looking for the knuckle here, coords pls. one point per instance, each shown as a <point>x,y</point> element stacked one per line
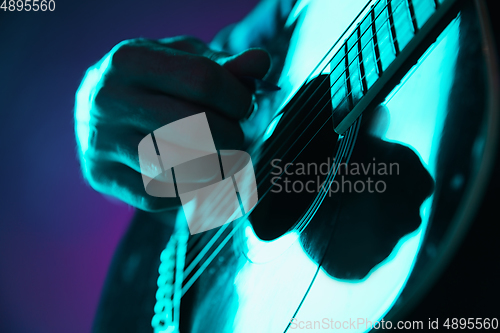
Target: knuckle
<point>126,152</point>
<point>110,143</point>
<point>188,39</point>
<point>205,78</point>
<point>103,97</point>
<point>96,178</point>
<point>125,52</point>
<point>184,43</point>
<point>96,144</point>
<point>110,101</point>
<point>122,54</point>
<point>95,154</point>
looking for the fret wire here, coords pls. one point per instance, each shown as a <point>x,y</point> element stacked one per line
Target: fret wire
<point>373,29</point>
<point>198,258</point>
<point>338,78</point>
<point>364,85</point>
<point>346,97</point>
<point>190,282</point>
<point>348,78</point>
<point>393,27</point>
<point>331,49</point>
<point>349,96</point>
<point>343,100</point>
<point>324,67</point>
<point>374,33</point>
<point>222,244</point>
<point>327,64</point>
<point>225,240</point>
<point>412,15</point>
<point>375,44</point>
<point>318,114</point>
<point>340,62</point>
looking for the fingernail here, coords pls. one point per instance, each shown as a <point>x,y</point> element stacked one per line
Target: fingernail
<point>257,85</point>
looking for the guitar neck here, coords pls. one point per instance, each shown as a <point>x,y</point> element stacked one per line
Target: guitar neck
<point>384,45</point>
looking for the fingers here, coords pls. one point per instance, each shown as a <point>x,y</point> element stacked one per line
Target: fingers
<point>124,183</point>
<point>118,142</point>
<point>254,63</point>
<point>143,85</point>
<point>191,45</point>
<point>183,75</point>
<point>114,143</point>
<point>145,112</point>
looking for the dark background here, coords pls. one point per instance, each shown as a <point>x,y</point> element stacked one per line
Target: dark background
<point>57,235</point>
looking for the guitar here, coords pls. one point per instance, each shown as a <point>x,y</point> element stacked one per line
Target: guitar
<point>369,161</point>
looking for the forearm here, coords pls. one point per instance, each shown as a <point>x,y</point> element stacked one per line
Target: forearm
<point>128,296</point>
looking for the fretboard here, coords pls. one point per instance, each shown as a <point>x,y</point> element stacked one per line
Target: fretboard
<point>383,46</point>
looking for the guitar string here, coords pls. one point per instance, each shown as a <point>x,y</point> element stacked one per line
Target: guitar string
<point>215,237</point>
<point>342,146</point>
<point>219,248</point>
<point>342,60</point>
<point>239,224</point>
<point>322,109</point>
<point>320,263</point>
<point>347,96</point>
<point>213,240</point>
<point>341,87</point>
<point>346,144</point>
<point>327,103</point>
<point>221,230</point>
<point>229,236</point>
<point>355,125</point>
<point>344,99</point>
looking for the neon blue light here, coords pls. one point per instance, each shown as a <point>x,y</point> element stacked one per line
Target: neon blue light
<point>263,251</point>
<point>417,125</point>
<point>84,100</point>
<point>272,126</point>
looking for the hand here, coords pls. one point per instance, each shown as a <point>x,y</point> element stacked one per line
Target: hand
<point>142,85</point>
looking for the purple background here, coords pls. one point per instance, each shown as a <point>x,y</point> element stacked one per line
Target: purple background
<point>57,235</point>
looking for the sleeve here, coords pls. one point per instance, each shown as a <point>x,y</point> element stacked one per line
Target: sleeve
<point>261,26</point>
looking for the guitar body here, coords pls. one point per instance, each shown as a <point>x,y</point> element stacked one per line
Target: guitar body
<point>350,226</point>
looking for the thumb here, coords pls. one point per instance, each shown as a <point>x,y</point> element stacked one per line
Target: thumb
<point>252,62</point>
